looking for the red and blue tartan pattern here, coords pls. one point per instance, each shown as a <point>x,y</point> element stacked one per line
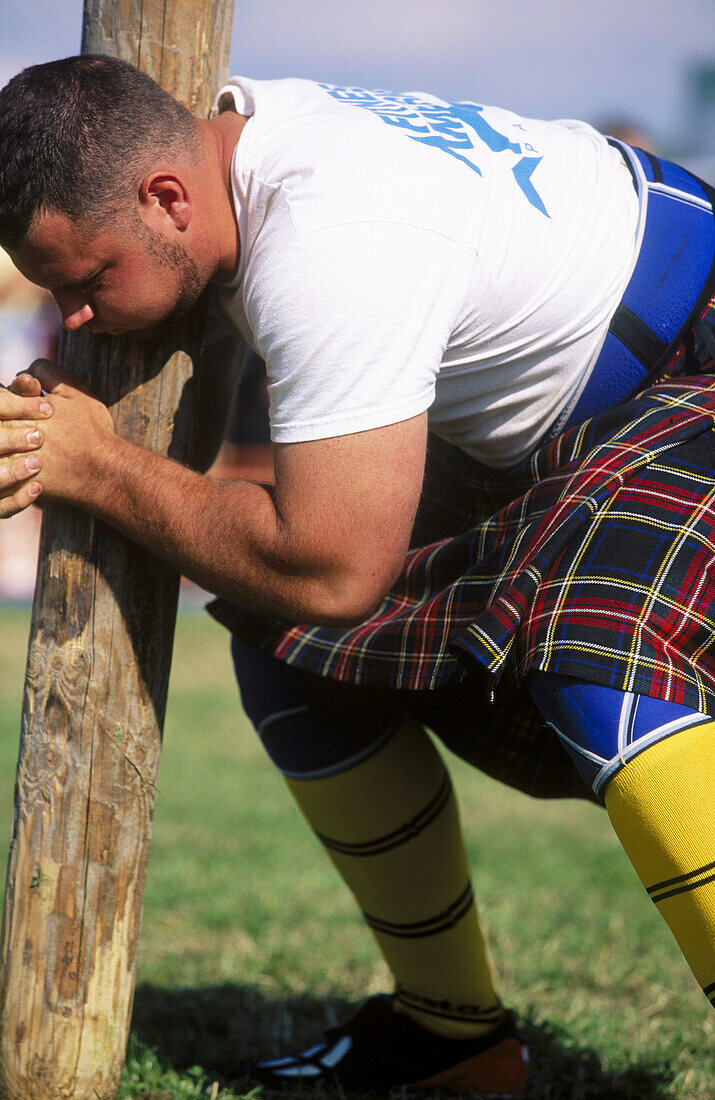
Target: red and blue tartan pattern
<point>593,558</point>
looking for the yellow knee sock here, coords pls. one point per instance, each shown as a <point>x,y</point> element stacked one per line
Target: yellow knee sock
<point>662,807</point>
<point>391,827</point>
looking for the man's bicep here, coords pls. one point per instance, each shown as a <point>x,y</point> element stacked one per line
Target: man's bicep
<point>349,503</point>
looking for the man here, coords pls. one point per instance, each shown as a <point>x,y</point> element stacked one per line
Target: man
<point>402,263</point>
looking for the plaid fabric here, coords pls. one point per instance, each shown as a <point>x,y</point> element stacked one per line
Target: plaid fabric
<point>593,558</point>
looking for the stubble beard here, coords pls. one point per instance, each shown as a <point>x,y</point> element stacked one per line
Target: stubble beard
<point>174,257</point>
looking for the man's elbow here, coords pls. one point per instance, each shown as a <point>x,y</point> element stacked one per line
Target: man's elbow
<point>344,617</point>
<point>350,601</point>
<point>339,611</point>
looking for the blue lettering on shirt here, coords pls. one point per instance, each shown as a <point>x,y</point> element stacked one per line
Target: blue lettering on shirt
<point>451,127</point>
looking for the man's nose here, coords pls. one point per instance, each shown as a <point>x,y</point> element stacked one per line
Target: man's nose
<point>73,317</point>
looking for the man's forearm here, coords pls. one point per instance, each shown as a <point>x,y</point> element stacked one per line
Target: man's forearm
<point>226,536</point>
<point>322,547</point>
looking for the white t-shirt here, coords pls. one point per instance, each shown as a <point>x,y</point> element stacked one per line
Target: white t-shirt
<point>399,253</point>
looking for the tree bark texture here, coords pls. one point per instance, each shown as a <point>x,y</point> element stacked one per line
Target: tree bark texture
<point>97,672</point>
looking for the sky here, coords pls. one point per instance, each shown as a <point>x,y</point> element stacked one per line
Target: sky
<point>592,59</point>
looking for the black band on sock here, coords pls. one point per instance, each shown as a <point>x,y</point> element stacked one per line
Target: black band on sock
<point>447,1010</point>
<point>441,922</point>
<point>682,883</point>
<point>396,837</point>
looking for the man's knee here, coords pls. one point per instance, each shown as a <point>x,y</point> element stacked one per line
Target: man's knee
<point>309,726</point>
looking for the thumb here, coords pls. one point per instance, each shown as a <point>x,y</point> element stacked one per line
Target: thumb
<point>54,380</point>
<point>24,385</point>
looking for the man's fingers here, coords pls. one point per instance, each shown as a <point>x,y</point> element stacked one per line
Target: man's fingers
<point>47,374</point>
<point>17,437</point>
<point>26,386</point>
<point>53,380</point>
<point>18,485</point>
<point>15,407</point>
<point>18,468</point>
<point>21,498</point>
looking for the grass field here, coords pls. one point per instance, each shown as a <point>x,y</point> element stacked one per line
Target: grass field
<point>250,943</point>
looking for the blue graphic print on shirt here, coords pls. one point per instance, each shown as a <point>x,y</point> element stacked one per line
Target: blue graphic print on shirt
<point>448,126</point>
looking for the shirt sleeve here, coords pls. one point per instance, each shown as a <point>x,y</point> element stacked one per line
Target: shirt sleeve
<point>352,321</point>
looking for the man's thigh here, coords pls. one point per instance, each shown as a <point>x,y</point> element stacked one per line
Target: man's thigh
<point>601,728</point>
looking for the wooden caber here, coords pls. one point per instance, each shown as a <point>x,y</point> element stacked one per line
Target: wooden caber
<point>97,670</point>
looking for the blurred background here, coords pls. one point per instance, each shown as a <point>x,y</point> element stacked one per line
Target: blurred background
<point>645,70</point>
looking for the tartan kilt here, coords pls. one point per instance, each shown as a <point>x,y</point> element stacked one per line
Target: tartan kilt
<point>593,558</point>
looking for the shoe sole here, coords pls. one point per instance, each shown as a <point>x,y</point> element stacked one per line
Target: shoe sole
<point>500,1072</point>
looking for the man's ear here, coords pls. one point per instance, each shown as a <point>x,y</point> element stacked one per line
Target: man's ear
<point>163,195</point>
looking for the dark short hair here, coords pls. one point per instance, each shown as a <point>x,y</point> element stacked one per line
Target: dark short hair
<point>78,135</point>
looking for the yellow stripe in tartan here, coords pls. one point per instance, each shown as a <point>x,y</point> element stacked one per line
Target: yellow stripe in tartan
<point>608,583</point>
<point>661,576</point>
<point>644,663</point>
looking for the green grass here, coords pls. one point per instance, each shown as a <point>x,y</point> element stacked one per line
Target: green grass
<point>250,944</point>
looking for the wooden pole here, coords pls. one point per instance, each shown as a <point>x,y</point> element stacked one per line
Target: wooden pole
<point>97,672</point>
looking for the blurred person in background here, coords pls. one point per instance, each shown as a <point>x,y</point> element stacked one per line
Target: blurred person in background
<point>246,447</point>
<point>624,129</point>
<point>29,322</point>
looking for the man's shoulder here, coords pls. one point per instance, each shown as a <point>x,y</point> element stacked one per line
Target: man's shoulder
<point>328,163</point>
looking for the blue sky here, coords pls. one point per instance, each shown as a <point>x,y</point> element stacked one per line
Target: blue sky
<point>549,58</point>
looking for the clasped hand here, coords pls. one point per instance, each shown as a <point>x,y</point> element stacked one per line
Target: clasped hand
<point>49,443</point>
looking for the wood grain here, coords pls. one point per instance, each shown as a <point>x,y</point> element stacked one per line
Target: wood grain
<point>97,671</point>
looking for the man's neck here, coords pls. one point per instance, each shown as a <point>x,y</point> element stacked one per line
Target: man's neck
<point>227,129</point>
<point>223,132</point>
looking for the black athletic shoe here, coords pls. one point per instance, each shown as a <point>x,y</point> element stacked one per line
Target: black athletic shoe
<point>382,1050</point>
